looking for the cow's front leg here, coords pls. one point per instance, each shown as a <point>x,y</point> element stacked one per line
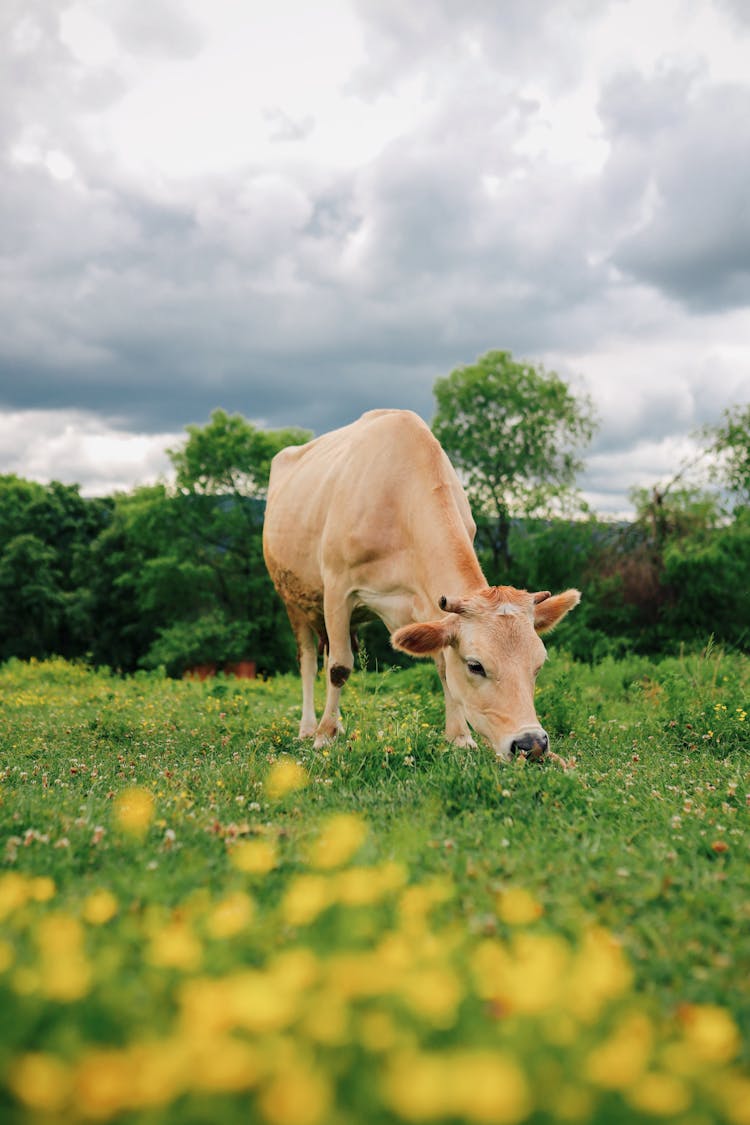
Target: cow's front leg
<point>337,612</point>
<point>456,728</point>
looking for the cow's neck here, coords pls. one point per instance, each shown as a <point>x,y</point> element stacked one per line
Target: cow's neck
<point>452,570</point>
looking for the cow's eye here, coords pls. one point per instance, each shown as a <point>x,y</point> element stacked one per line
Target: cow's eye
<point>475,668</point>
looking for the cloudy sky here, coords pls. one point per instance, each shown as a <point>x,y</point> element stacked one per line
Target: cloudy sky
<point>302,210</point>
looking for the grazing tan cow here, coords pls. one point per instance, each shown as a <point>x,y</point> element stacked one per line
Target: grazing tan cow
<point>371,520</point>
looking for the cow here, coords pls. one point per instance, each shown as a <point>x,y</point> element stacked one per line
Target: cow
<point>371,520</point>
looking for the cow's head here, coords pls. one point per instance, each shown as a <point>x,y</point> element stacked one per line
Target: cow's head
<point>493,653</point>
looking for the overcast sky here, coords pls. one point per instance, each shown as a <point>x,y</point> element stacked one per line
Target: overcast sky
<point>300,210</point>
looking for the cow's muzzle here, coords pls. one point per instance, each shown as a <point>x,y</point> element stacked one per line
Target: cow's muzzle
<point>532,745</point>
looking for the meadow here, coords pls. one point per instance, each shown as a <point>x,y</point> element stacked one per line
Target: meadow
<point>204,921</point>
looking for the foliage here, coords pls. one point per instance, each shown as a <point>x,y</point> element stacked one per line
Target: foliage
<point>513,432</point>
<point>202,919</point>
<point>730,442</point>
<point>230,456</point>
<point>46,533</point>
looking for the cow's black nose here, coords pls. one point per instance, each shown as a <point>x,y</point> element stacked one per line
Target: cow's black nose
<point>532,745</point>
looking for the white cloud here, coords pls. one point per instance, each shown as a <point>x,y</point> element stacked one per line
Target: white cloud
<point>76,448</point>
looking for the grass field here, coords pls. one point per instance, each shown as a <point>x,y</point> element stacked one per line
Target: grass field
<point>204,921</point>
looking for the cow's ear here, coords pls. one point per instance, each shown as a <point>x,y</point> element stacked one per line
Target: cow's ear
<point>425,638</point>
<point>550,611</point>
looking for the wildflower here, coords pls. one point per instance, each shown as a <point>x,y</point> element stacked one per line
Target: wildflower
<point>40,1081</point>
<point>517,907</point>
<point>255,857</point>
<point>340,839</point>
<point>231,915</point>
<point>99,908</point>
<point>661,1095</point>
<point>102,1083</point>
<point>42,889</point>
<point>709,1032</point>
<point>298,1096</point>
<point>620,1060</point>
<point>285,776</point>
<point>175,946</point>
<point>134,810</point>
<point>305,898</point>
<point>14,892</point>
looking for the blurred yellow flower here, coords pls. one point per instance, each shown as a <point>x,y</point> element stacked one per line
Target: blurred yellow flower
<point>285,776</point>
<point>362,886</point>
<point>40,1081</point>
<point>517,907</point>
<point>599,972</point>
<point>306,896</point>
<point>255,1001</point>
<point>621,1059</point>
<point>434,993</point>
<point>341,837</point>
<point>230,916</point>
<point>223,1064</point>
<point>298,1096</point>
<point>102,1083</point>
<point>709,1032</point>
<point>661,1095</point>
<point>6,955</point>
<point>134,810</point>
<point>99,908</point>
<point>175,946</point>
<point>476,1085</point>
<point>42,888</point>
<point>14,892</point>
<point>255,857</point>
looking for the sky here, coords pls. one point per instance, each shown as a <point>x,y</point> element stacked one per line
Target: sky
<point>299,211</point>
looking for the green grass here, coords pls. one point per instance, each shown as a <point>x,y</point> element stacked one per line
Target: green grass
<point>645,836</point>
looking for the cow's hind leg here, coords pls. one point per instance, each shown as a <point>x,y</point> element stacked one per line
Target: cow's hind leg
<point>337,612</point>
<point>307,655</point>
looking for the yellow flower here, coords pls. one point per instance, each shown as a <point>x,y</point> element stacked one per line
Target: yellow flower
<point>433,992</point>
<point>223,1064</point>
<point>620,1060</point>
<point>298,1096</point>
<point>6,955</point>
<point>256,1001</point>
<point>517,907</point>
<point>285,776</point>
<point>255,857</point>
<point>710,1032</point>
<point>661,1095</point>
<point>14,892</point>
<point>362,886</point>
<point>599,973</point>
<point>341,837</point>
<point>230,916</point>
<point>134,810</point>
<point>42,889</point>
<point>488,1087</point>
<point>175,946</point>
<point>305,898</point>
<point>40,1081</point>
<point>99,908</point>
<point>475,1085</point>
<point>102,1083</point>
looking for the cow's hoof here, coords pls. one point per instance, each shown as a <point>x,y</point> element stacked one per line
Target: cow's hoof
<point>464,742</point>
<point>325,735</point>
<point>307,730</point>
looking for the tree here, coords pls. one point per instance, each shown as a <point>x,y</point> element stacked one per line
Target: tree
<point>731,447</point>
<point>513,431</point>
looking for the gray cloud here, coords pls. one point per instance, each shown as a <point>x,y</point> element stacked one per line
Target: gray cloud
<point>683,149</point>
<point>301,293</point>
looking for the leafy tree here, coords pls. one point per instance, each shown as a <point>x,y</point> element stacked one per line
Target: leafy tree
<point>730,444</point>
<point>513,431</point>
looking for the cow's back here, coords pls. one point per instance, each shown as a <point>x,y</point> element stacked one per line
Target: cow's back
<point>360,494</point>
